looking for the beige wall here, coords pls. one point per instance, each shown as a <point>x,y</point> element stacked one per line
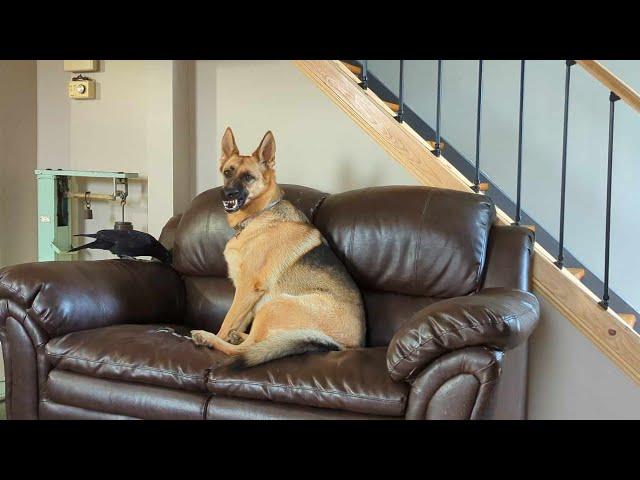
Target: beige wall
<point>183,134</point>
<point>18,238</point>
<point>571,379</point>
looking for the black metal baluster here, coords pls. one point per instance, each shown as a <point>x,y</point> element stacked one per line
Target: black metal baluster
<point>519,179</point>
<point>476,181</point>
<point>613,98</point>
<point>567,81</point>
<point>437,151</point>
<point>364,80</point>
<point>400,114</point>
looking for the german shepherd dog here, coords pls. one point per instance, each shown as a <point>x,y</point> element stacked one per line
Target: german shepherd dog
<point>291,289</point>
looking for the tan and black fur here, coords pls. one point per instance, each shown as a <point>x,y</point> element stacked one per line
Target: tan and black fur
<point>292,294</point>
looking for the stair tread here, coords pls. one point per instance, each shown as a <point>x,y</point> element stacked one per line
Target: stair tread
<point>577,272</point>
<point>354,68</point>
<point>432,144</point>
<point>393,106</point>
<point>628,318</point>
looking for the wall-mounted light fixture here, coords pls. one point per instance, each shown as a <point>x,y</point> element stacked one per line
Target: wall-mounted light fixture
<point>81,87</point>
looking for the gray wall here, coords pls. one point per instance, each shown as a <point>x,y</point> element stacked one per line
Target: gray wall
<point>542,147</point>
<point>18,236</point>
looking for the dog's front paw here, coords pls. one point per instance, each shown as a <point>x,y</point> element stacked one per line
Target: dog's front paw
<point>199,337</point>
<point>235,338</point>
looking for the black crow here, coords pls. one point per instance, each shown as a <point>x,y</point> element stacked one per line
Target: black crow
<point>126,243</point>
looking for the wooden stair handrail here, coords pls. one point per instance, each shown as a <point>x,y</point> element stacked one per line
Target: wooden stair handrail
<point>613,83</point>
<point>605,328</point>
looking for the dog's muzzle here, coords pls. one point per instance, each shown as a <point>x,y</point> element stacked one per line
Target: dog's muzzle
<point>233,199</point>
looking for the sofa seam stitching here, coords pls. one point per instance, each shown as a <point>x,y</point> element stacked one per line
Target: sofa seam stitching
<point>416,257</point>
<point>473,373</point>
<point>128,365</point>
<point>288,387</point>
<point>485,246</point>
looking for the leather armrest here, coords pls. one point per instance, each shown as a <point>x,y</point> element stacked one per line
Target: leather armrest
<point>62,297</point>
<point>497,318</point>
<point>460,385</point>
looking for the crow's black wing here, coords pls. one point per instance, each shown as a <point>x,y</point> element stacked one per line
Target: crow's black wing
<point>134,243</point>
<point>126,237</point>
<point>112,235</point>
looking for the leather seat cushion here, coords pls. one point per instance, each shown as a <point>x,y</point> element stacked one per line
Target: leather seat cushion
<point>146,354</point>
<point>352,380</point>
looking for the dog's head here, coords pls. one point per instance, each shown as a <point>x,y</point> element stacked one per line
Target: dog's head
<point>246,177</point>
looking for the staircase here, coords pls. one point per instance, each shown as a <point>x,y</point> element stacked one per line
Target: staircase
<point>347,85</point>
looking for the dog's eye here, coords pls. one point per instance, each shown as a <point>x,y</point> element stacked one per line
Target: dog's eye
<point>248,178</point>
<point>227,173</point>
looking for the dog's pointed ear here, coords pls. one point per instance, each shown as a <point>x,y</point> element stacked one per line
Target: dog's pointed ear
<point>229,146</point>
<point>266,151</point>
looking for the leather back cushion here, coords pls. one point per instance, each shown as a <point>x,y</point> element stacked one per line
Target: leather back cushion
<point>421,241</point>
<point>406,247</point>
<point>203,230</point>
<point>386,312</point>
<point>208,300</point>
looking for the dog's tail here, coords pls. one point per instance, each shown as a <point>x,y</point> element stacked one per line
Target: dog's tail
<point>284,344</point>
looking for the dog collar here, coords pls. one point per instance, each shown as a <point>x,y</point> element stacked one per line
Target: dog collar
<point>243,224</point>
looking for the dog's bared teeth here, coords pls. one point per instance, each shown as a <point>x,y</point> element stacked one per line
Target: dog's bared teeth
<point>230,204</point>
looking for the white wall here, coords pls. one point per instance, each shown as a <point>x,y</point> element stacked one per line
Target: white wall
<point>542,147</point>
<point>317,144</point>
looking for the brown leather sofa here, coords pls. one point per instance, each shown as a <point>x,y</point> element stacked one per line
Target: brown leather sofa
<point>447,302</point>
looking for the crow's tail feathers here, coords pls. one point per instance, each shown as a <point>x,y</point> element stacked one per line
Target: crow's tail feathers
<point>90,235</point>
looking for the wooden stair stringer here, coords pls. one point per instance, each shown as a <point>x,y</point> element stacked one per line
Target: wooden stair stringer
<point>606,330</point>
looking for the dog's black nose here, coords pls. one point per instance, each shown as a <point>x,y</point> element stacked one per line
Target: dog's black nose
<point>231,193</point>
